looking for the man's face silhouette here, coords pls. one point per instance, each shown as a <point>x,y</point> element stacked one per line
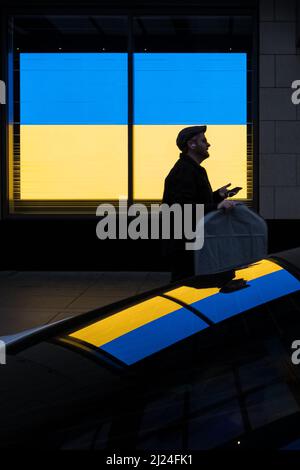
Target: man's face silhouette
<point>199,146</point>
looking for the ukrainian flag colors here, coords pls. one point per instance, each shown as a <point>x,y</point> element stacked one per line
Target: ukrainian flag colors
<point>141,330</point>
<point>74,116</point>
<point>125,321</point>
<point>260,291</point>
<point>176,90</point>
<point>73,162</point>
<point>152,325</point>
<point>191,295</point>
<point>155,153</point>
<point>73,126</point>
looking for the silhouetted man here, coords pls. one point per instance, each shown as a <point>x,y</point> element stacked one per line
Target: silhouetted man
<point>188,183</point>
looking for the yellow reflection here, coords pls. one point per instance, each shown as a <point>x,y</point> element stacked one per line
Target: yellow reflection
<point>190,294</point>
<point>73,162</point>
<point>155,152</point>
<point>110,328</point>
<point>125,321</point>
<point>257,270</point>
<point>11,164</point>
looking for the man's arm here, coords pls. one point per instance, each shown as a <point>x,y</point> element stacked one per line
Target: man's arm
<point>217,197</point>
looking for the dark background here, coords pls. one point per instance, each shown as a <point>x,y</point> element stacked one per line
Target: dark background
<point>73,245</point>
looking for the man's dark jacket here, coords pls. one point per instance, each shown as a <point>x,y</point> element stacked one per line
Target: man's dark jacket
<point>187,183</point>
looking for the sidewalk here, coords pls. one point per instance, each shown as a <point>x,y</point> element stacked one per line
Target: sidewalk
<point>29,299</point>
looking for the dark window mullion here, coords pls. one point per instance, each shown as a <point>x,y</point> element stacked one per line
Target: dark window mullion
<point>130,109</point>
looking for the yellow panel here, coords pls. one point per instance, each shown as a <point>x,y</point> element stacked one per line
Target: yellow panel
<point>191,294</point>
<point>73,162</point>
<point>227,162</point>
<point>125,321</point>
<point>155,152</point>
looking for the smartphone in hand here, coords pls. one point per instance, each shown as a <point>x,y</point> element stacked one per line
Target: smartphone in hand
<point>233,191</point>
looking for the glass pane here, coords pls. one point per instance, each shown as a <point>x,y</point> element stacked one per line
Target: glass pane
<point>177,84</point>
<point>70,133</point>
<point>73,125</point>
<point>168,98</point>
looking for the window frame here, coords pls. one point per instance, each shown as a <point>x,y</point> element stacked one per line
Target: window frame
<point>86,209</point>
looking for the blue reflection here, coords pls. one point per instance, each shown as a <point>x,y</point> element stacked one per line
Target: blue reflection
<point>155,336</point>
<point>218,307</point>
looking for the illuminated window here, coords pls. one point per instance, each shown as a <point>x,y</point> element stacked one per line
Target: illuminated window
<point>73,129</point>
<point>176,90</point>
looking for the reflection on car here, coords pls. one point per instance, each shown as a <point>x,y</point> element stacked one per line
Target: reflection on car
<point>186,367</point>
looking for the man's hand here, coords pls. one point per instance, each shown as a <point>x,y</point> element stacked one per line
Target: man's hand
<point>224,192</point>
<point>227,205</point>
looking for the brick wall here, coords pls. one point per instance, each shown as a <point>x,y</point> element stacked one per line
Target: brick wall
<point>279,149</point>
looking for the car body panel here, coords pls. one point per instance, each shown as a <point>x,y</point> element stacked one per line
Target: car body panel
<point>154,324</point>
<point>183,367</point>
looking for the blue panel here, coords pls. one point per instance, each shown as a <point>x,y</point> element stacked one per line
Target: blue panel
<point>73,88</point>
<point>190,88</point>
<point>154,336</point>
<point>220,306</point>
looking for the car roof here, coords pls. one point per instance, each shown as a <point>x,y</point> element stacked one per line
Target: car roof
<point>138,331</point>
<point>147,343</point>
<point>171,313</point>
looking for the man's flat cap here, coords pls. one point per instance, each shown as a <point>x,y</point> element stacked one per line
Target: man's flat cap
<point>187,133</point>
